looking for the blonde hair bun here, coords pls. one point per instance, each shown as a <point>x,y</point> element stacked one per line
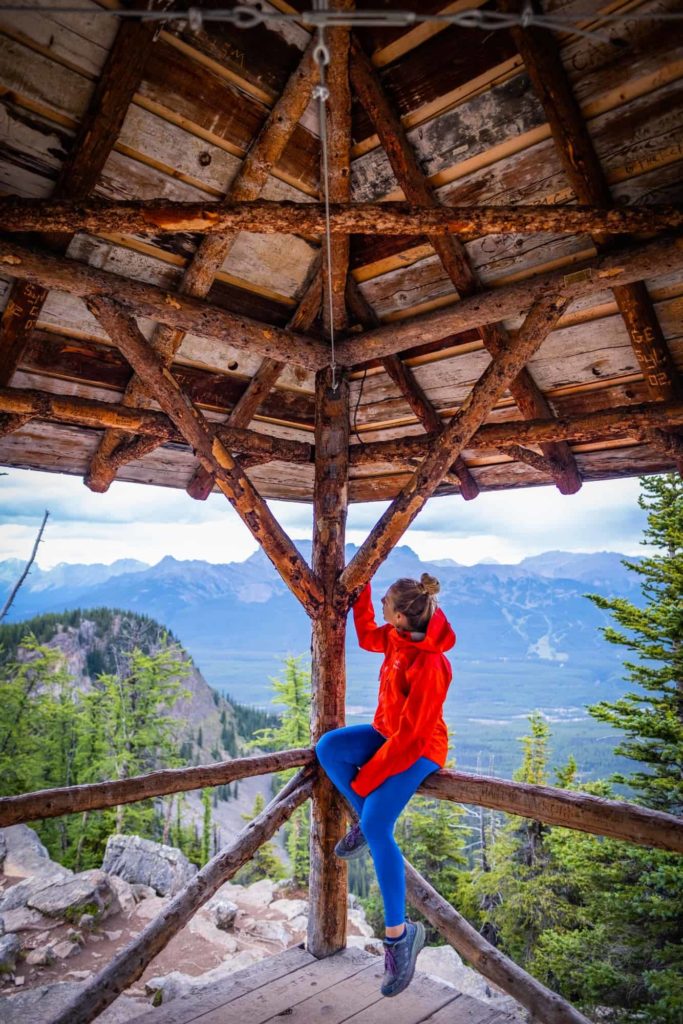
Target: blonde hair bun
<point>429,584</point>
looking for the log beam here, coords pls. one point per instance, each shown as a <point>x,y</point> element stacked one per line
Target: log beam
<point>215,218</point>
<point>405,381</point>
<point>213,454</point>
<point>617,267</point>
<point>99,130</point>
<point>259,387</point>
<point>452,252</point>
<point>650,422</point>
<point>622,421</point>
<point>171,308</point>
<point>540,320</point>
<point>129,964</point>
<point>543,1004</point>
<point>209,258</point>
<point>541,55</point>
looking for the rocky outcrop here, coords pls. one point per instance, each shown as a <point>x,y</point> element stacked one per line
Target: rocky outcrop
<point>141,861</point>
<point>89,892</point>
<point>10,948</point>
<point>24,855</point>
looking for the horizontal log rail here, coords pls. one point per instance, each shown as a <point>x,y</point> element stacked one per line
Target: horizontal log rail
<point>637,420</point>
<point>129,964</point>
<point>152,216</point>
<point>182,312</point>
<point>543,1004</point>
<point>561,807</point>
<point>51,803</point>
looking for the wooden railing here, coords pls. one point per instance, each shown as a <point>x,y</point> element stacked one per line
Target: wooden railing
<point>616,819</point>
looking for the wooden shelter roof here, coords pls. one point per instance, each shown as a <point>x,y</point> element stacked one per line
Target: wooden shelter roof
<point>458,117</point>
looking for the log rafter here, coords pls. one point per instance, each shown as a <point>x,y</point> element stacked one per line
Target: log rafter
<point>405,381</point>
<point>118,82</point>
<point>211,451</point>
<point>539,321</point>
<point>541,55</point>
<point>207,261</point>
<point>453,255</point>
<point>154,216</point>
<point>202,483</point>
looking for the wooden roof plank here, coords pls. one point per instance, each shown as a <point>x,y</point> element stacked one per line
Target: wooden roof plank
<point>199,275</point>
<point>582,167</point>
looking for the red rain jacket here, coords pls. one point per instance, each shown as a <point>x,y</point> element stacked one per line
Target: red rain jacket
<point>414,680</point>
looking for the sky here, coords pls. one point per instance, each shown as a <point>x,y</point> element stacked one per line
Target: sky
<point>148,523</point>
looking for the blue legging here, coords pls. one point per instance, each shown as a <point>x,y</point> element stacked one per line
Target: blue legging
<point>341,752</point>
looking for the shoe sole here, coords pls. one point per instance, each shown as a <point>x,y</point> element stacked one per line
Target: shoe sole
<point>354,855</point>
<point>418,943</point>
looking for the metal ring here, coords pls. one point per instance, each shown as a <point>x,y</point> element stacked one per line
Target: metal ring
<point>246,17</point>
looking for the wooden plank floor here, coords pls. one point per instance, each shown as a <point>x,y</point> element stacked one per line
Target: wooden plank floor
<point>344,987</point>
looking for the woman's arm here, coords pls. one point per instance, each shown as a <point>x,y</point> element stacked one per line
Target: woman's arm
<point>429,677</point>
<point>371,637</point>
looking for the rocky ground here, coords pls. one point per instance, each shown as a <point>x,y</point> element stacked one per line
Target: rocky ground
<point>58,928</point>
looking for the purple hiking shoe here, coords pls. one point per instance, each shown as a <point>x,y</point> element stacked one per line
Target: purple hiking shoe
<point>352,845</point>
<point>400,957</point>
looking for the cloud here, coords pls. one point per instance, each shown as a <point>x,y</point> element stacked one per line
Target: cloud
<point>147,523</point>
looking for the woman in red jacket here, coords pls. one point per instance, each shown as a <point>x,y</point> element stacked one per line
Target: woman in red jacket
<point>378,767</point>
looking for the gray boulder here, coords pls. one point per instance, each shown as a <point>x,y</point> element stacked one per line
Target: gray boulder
<point>140,861</point>
<point>45,1002</point>
<point>89,892</point>
<point>225,912</point>
<point>10,947</point>
<point>19,895</point>
<point>24,854</point>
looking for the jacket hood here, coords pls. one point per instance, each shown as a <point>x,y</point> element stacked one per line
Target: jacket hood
<point>439,636</point>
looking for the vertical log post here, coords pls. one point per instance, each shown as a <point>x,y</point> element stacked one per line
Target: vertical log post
<point>328,876</point>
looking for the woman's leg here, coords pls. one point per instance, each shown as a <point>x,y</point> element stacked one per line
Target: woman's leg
<point>381,810</point>
<point>341,752</point>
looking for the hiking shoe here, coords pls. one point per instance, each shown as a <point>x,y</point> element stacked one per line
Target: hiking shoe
<point>352,845</point>
<point>400,957</point>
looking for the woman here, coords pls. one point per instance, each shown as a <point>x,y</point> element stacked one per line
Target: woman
<point>378,767</point>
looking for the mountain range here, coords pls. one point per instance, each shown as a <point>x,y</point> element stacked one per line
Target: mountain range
<point>527,637</point>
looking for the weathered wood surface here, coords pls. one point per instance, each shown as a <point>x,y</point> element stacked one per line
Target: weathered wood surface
<point>260,385</point>
<point>270,217</point>
<point>336,988</point>
<point>450,443</point>
<point>210,256</point>
<point>543,1004</point>
<point>51,803</point>
<point>582,167</point>
<point>127,966</point>
<point>61,448</point>
<point>175,310</point>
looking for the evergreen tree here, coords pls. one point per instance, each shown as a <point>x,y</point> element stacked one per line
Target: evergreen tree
<point>293,730</point>
<point>206,826</point>
<point>265,863</point>
<point>651,716</point>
